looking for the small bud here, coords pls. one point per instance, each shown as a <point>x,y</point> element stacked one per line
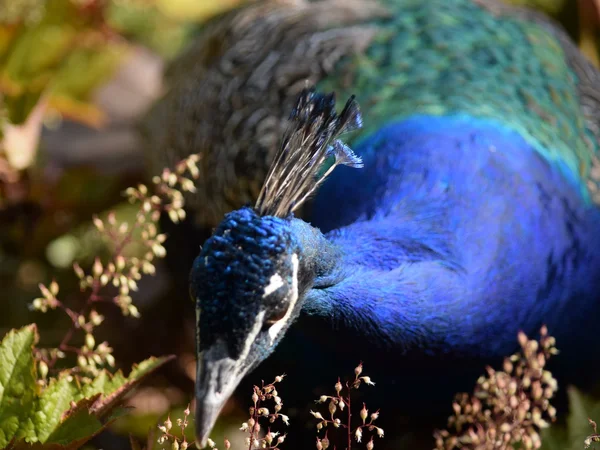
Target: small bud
<point>98,223</point>
<point>134,311</point>
<point>367,380</point>
<point>322,399</point>
<point>285,419</point>
<point>370,444</point>
<point>210,443</point>
<point>78,271</point>
<point>43,369</point>
<point>187,185</point>
<point>97,268</point>
<point>332,408</point>
<point>254,397</point>
<point>96,318</point>
<point>244,427</point>
<point>54,288</point>
<point>358,434</point>
<point>379,432</point>
<point>120,262</point>
<point>227,444</point>
<point>522,337</point>
<point>317,415</point>
<point>81,361</point>
<point>173,216</point>
<point>90,341</point>
<point>341,404</point>
<point>338,387</point>
<point>358,370</point>
<point>364,412</point>
<point>175,445</point>
<point>159,250</point>
<point>162,428</point>
<point>325,442</point>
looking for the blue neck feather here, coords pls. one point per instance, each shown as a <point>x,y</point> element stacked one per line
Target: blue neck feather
<point>454,236</point>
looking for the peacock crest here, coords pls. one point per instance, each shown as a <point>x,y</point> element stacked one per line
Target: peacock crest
<point>311,138</point>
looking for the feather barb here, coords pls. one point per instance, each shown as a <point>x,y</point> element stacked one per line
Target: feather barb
<point>309,141</point>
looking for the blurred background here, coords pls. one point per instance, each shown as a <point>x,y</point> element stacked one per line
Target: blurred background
<point>75,77</point>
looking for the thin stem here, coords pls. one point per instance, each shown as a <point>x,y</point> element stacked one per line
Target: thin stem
<point>348,404</point>
<point>255,418</point>
<point>93,297</point>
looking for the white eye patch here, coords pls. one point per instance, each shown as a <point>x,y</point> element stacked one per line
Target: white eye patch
<point>274,283</point>
<point>278,326</point>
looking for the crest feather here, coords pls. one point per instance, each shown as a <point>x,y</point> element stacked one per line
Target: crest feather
<point>310,139</point>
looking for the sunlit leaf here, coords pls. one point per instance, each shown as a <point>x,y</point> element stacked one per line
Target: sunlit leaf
<point>17,382</point>
<point>64,414</point>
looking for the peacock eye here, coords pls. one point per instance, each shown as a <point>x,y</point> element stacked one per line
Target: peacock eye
<point>275,317</point>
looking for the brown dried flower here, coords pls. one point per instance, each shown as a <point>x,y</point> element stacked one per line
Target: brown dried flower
<point>507,407</point>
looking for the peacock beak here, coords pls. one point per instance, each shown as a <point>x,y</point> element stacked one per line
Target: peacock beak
<point>217,376</point>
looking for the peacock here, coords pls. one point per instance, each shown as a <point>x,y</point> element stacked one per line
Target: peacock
<point>458,205</point>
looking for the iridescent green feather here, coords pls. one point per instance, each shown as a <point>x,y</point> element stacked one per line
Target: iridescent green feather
<point>455,57</point>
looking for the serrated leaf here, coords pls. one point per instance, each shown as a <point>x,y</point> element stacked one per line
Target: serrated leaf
<point>17,382</point>
<point>118,386</point>
<point>65,414</point>
<point>53,404</point>
<point>77,424</point>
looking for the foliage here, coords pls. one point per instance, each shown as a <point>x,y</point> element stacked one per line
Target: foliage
<point>69,408</point>
<point>122,272</point>
<point>62,413</point>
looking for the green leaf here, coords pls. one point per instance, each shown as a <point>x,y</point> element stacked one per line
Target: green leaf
<point>53,403</point>
<point>17,382</point>
<point>66,413</point>
<point>77,424</point>
<point>114,388</point>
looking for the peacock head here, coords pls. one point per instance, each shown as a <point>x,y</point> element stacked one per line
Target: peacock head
<point>249,280</point>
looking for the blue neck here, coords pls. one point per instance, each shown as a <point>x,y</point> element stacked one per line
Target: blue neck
<point>455,236</point>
